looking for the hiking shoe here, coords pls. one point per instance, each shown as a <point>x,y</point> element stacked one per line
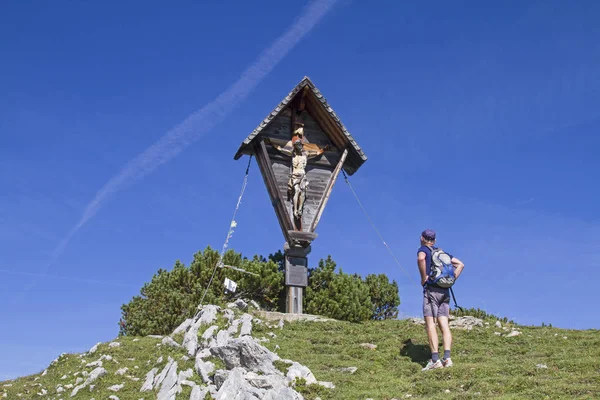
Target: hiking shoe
<point>447,362</point>
<point>433,365</point>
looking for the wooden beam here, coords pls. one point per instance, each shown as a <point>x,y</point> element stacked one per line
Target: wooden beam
<point>302,238</point>
<point>262,158</point>
<point>323,119</point>
<point>328,159</point>
<point>327,192</point>
<point>293,120</point>
<point>302,103</point>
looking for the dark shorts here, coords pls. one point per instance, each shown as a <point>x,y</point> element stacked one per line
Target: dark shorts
<point>436,302</point>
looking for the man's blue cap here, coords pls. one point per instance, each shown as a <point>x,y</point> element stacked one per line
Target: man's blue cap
<point>428,234</point>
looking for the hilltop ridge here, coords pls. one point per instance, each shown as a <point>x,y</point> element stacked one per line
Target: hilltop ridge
<point>232,353</point>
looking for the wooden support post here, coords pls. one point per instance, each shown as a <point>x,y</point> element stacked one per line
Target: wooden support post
<point>294,300</point>
<point>262,158</point>
<point>296,277</point>
<point>327,192</point>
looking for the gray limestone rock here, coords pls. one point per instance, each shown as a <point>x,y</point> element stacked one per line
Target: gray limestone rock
<point>183,326</point>
<point>203,353</point>
<point>116,388</point>
<point>204,368</point>
<point>114,344</point>
<point>220,377</point>
<point>229,315</point>
<point>184,375</point>
<point>234,327</point>
<point>209,314</point>
<point>168,388</point>
<point>297,370</point>
<point>223,338</point>
<point>94,348</point>
<point>467,322</point>
<point>94,364</point>
<point>149,382</point>
<point>122,371</point>
<point>241,304</point>
<point>160,377</point>
<point>209,333</point>
<point>282,393</point>
<point>190,340</point>
<point>94,375</point>
<point>236,388</point>
<point>265,381</point>
<point>370,346</point>
<point>245,352</point>
<point>191,384</point>
<point>246,321</point>
<point>168,340</point>
<point>198,393</point>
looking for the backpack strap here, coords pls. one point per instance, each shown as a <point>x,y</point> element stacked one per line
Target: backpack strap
<point>427,282</point>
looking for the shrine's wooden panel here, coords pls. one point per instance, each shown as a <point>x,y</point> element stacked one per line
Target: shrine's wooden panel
<point>318,170</point>
<point>317,177</point>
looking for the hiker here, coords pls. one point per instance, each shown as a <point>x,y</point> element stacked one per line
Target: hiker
<point>436,300</point>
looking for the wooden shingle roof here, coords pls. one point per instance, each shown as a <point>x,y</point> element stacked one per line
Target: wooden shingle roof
<point>319,108</point>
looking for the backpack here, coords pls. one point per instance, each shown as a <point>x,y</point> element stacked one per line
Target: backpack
<point>442,270</point>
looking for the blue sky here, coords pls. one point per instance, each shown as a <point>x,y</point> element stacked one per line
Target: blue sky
<point>479,121</point>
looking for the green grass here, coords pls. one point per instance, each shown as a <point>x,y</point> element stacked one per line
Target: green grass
<point>142,354</point>
<point>486,366</point>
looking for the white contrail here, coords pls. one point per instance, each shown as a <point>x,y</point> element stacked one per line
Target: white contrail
<point>182,135</point>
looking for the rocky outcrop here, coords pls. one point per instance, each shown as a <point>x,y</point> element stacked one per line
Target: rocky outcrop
<point>249,371</point>
<point>467,322</point>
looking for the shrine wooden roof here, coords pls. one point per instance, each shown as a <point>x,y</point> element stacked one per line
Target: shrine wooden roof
<point>321,111</point>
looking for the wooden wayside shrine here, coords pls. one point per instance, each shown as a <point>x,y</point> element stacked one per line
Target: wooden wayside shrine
<point>300,148</point>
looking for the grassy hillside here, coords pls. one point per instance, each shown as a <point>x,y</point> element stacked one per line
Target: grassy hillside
<point>486,365</point>
<point>539,363</point>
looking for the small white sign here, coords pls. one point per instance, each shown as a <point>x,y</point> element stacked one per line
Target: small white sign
<point>230,285</point>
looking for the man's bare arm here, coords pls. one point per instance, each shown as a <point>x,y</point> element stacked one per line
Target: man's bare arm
<point>422,267</point>
<point>458,265</point>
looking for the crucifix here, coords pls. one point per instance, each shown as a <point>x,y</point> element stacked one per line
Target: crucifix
<point>282,133</point>
<point>297,183</point>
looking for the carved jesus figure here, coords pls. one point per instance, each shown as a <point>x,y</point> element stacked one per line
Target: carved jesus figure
<point>298,184</point>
